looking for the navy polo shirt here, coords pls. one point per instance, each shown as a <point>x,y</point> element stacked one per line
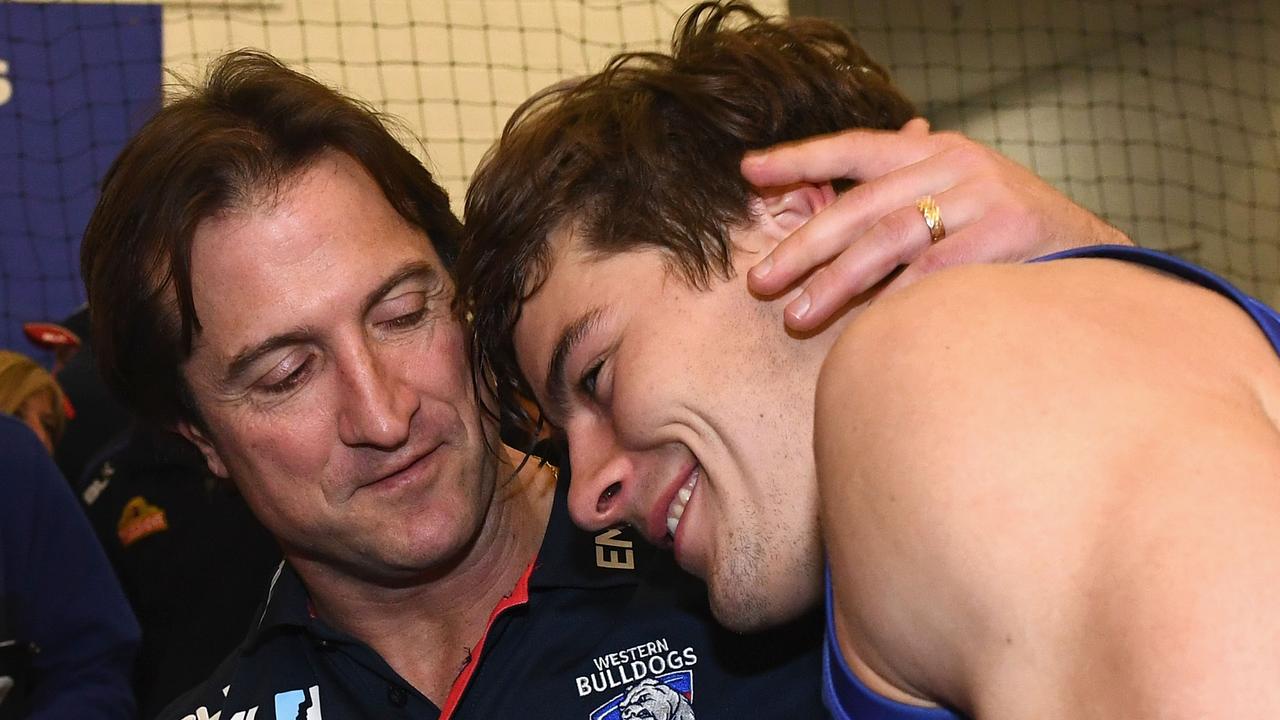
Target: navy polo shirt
<point>600,624</point>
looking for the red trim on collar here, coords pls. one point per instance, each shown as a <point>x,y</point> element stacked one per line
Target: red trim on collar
<point>519,596</point>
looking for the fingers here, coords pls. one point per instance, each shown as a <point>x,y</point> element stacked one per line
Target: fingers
<point>834,229</point>
<point>898,238</point>
<point>854,154</point>
<point>890,243</point>
<point>963,248</point>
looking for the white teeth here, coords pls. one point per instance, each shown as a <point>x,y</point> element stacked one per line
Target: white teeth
<point>675,511</point>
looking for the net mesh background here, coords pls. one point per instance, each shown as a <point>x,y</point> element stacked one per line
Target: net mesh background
<point>1157,115</point>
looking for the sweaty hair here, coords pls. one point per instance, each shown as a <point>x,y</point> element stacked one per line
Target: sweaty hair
<point>646,154</point>
<point>231,141</point>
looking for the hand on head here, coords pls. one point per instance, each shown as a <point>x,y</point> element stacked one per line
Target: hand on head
<point>994,210</point>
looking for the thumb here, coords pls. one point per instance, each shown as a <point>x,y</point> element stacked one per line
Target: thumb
<point>915,126</point>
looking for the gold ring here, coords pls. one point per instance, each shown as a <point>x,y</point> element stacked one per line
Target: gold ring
<point>932,218</point>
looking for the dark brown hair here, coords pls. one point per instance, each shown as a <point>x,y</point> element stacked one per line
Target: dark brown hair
<point>646,154</point>
<point>228,142</point>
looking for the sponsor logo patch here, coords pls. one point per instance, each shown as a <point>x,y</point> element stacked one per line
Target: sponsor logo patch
<point>299,704</point>
<point>140,519</point>
<point>202,713</point>
<point>614,552</point>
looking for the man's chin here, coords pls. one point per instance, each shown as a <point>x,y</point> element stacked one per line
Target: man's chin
<point>755,591</point>
<point>750,610</point>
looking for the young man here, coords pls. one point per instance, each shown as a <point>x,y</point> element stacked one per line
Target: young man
<point>1044,489</point>
<point>269,274</point>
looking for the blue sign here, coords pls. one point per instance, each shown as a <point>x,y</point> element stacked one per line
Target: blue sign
<point>76,80</point>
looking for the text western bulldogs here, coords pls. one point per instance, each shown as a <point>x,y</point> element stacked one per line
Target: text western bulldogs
<point>628,666</point>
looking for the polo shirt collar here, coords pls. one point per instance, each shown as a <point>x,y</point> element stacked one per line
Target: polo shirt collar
<point>568,558</point>
<point>288,606</point>
<point>574,558</point>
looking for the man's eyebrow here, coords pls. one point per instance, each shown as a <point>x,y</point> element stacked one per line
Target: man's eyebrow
<point>556,384</point>
<point>244,359</point>
<point>415,270</point>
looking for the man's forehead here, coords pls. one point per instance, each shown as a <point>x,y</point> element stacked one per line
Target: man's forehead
<point>542,321</point>
<point>580,278</point>
<point>305,259</point>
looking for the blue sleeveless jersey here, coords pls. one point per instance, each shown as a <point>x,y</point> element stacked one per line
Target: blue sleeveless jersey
<point>1268,320</point>
<point>845,696</point>
<point>848,699</point>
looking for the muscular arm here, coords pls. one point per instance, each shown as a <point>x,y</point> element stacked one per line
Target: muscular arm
<point>1050,491</point>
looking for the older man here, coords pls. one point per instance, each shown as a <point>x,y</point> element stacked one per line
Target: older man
<point>1045,489</point>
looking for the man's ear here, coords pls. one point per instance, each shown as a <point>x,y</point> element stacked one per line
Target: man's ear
<point>212,457</point>
<point>782,210</point>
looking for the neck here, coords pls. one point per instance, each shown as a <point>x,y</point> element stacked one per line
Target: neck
<point>789,367</point>
<point>809,349</point>
<point>425,630</point>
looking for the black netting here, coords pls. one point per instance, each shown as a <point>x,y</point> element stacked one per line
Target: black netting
<point>452,71</point>
<point>1159,115</point>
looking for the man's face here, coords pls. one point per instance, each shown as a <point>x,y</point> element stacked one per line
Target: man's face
<point>331,377</point>
<point>685,418</point>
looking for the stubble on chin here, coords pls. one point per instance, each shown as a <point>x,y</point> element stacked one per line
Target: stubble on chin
<point>761,584</point>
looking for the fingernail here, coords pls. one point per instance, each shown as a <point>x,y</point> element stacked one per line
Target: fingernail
<point>800,306</point>
<point>762,268</point>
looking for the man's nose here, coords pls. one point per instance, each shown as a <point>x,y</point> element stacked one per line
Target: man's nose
<point>378,405</point>
<point>602,476</point>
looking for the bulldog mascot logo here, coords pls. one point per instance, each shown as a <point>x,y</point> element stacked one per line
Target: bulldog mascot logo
<point>652,700</point>
<point>666,697</point>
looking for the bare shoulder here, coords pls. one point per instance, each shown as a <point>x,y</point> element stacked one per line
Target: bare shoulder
<point>1077,460</point>
<point>983,340</point>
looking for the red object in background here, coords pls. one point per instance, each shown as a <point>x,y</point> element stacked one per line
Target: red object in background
<point>51,336</point>
<point>59,339</point>
<point>63,343</point>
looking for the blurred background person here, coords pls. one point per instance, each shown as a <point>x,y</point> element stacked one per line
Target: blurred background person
<point>193,560</point>
<point>67,636</point>
<point>190,557</point>
<point>97,425</point>
<point>29,393</point>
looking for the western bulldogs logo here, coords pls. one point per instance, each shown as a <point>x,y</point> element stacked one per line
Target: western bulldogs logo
<point>651,700</point>
<point>667,697</point>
